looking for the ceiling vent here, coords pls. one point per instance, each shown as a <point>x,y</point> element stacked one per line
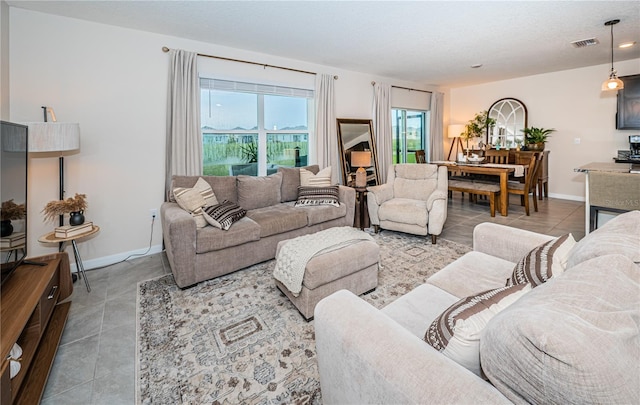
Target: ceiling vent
<point>585,42</point>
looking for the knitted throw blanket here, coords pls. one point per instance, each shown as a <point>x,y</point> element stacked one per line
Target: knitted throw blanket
<point>294,255</point>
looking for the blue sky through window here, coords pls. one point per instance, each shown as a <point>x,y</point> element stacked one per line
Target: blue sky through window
<point>224,110</point>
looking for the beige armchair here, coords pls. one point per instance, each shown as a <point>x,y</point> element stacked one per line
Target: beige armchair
<point>413,200</point>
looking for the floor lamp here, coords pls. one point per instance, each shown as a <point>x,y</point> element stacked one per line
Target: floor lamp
<point>54,137</point>
<point>455,131</point>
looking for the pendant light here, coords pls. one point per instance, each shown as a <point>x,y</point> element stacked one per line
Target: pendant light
<point>613,83</point>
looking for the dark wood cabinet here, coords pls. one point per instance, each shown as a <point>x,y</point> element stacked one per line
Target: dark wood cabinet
<point>33,316</point>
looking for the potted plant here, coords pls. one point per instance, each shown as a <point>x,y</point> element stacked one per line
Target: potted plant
<point>477,127</point>
<point>10,211</point>
<point>534,138</point>
<point>74,206</point>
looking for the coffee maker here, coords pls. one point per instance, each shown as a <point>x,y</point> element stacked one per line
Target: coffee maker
<point>634,145</point>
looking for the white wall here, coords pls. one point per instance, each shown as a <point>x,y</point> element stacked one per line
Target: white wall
<point>569,101</point>
<point>112,81</point>
<point>4,60</point>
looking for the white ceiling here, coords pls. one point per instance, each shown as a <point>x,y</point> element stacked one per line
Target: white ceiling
<point>430,42</point>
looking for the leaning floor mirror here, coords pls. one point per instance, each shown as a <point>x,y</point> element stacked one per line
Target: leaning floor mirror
<point>357,152</point>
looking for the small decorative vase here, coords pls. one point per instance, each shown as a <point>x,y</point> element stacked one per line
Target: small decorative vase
<point>76,218</point>
<point>6,228</point>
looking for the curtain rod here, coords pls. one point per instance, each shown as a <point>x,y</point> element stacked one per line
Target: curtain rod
<point>264,65</point>
<point>406,88</point>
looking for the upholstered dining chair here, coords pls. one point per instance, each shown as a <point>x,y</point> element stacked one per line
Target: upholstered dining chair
<point>413,200</point>
<point>529,186</point>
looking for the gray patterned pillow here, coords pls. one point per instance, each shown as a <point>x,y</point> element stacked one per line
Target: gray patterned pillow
<point>543,262</point>
<point>308,195</point>
<point>456,332</point>
<point>223,215</point>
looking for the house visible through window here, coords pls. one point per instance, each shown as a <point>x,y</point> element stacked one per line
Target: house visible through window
<point>409,130</point>
<point>252,128</point>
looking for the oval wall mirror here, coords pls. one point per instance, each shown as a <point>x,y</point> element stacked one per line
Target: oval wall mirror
<point>511,118</point>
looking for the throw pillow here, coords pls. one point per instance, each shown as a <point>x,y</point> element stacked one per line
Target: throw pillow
<point>291,181</point>
<point>190,199</point>
<point>207,192</point>
<point>322,179</point>
<point>457,331</point>
<point>543,262</point>
<point>224,215</point>
<point>618,236</point>
<point>259,191</point>
<point>329,195</point>
<point>572,340</point>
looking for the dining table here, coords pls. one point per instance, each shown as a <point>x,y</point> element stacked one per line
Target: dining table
<point>502,171</point>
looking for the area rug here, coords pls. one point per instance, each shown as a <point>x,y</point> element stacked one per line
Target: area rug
<point>237,338</point>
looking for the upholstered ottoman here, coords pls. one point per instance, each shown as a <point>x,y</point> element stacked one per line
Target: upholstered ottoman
<point>353,267</point>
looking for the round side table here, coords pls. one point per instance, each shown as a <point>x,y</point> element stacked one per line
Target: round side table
<point>51,238</point>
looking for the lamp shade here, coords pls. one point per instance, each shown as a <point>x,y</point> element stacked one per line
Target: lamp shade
<point>361,159</point>
<point>613,83</point>
<point>53,136</point>
<point>455,130</point>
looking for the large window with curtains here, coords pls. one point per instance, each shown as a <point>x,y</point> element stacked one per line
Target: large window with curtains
<point>252,129</point>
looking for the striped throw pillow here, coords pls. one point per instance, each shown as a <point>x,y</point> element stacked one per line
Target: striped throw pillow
<point>224,215</point>
<point>456,332</point>
<point>205,189</point>
<point>543,262</point>
<point>322,179</point>
<point>190,199</point>
<point>318,196</point>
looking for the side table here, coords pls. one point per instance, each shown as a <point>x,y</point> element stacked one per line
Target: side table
<point>362,213</point>
<point>51,238</point>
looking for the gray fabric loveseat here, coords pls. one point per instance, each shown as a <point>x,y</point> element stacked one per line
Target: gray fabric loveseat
<point>198,254</point>
<point>572,339</point>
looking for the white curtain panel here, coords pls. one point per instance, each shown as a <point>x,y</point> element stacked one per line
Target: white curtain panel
<point>382,128</point>
<point>436,141</point>
<point>184,142</point>
<point>326,133</point>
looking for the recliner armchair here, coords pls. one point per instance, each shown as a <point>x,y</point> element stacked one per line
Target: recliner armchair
<point>413,200</point>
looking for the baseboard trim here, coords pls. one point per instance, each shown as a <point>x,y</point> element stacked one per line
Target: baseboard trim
<point>109,260</point>
<point>567,197</point>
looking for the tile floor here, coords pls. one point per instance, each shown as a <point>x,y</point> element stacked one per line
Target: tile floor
<point>95,363</point>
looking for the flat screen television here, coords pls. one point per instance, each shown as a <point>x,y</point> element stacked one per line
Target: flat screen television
<point>13,196</point>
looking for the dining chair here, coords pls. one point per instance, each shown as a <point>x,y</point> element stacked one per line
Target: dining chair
<point>420,156</point>
<point>496,156</point>
<point>529,186</point>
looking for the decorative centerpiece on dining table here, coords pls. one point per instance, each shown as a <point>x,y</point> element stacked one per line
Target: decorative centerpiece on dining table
<point>74,206</point>
<point>477,127</point>
<point>10,211</point>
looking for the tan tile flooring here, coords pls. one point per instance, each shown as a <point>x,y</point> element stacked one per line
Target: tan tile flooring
<point>95,363</point>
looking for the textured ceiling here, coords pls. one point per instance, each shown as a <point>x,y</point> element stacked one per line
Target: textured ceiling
<point>430,42</point>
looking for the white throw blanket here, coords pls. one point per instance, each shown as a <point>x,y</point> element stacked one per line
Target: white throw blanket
<point>296,253</point>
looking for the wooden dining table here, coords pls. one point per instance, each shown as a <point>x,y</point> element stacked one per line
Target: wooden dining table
<point>491,169</point>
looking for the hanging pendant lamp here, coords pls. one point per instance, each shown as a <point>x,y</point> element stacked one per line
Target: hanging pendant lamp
<point>613,83</point>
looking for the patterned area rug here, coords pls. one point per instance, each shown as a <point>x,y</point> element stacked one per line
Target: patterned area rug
<point>238,339</point>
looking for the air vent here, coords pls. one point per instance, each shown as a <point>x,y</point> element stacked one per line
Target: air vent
<point>585,42</point>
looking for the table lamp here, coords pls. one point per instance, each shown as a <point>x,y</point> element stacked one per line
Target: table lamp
<point>361,160</point>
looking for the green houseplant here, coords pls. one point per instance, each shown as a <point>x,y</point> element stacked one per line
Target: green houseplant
<point>477,127</point>
<point>535,138</point>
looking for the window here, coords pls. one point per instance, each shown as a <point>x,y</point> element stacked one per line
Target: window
<point>252,128</point>
<point>409,128</point>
